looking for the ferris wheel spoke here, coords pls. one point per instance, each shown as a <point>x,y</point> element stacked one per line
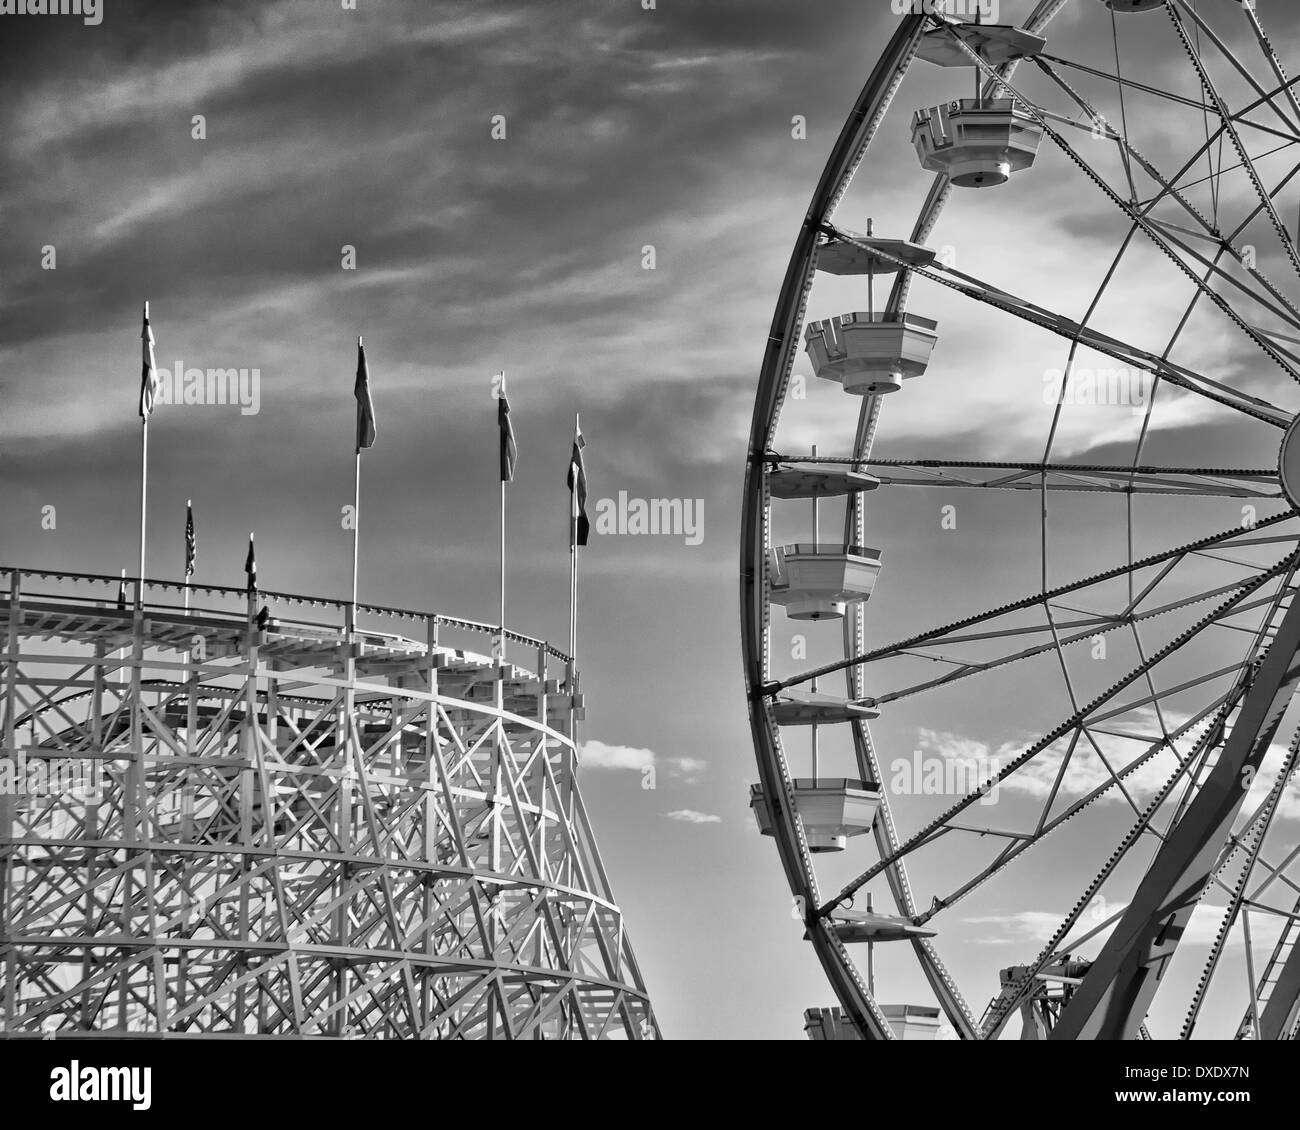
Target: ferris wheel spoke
<point>1286,86</point>
<point>1114,994</point>
<point>941,823</point>
<point>1249,843</point>
<point>1284,235</point>
<point>1048,823</point>
<point>1076,332</point>
<point>1265,97</point>
<point>1209,740</point>
<point>944,633</point>
<point>1093,627</point>
<point>1138,218</point>
<point>1092,630</point>
<point>1275,873</point>
<point>1169,186</point>
<point>1227,244</point>
<point>1287,312</point>
<point>1289,137</point>
<point>1212,482</point>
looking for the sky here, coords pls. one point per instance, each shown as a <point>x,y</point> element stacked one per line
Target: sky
<point>598,198</point>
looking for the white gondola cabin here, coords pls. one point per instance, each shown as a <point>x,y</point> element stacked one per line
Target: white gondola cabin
<point>831,810</point>
<point>976,142</point>
<point>818,580</point>
<point>871,353</point>
<point>908,1022</point>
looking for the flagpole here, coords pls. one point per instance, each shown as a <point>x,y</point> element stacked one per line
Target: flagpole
<point>356,510</point>
<point>503,570</point>
<point>356,531</point>
<point>147,393</point>
<point>144,484</point>
<point>502,620</point>
<point>573,557</point>
<point>144,492</point>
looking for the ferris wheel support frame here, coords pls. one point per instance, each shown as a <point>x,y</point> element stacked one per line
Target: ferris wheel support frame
<point>1114,995</point>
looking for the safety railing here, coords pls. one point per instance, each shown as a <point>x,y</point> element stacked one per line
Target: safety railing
<point>179,599</point>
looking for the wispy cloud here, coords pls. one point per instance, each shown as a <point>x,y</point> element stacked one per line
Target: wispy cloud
<point>599,755</point>
<point>1038,926</point>
<point>690,816</point>
<point>680,770</point>
<point>1088,771</point>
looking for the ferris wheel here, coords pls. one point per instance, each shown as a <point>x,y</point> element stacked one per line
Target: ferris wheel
<point>1020,547</point>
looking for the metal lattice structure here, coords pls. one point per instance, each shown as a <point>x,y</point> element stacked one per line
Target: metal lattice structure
<point>1167,774</point>
<point>287,823</point>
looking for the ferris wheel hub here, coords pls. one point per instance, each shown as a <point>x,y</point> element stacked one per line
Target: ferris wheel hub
<point>1288,464</point>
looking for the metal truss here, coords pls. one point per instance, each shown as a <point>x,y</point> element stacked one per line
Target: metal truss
<point>292,827</point>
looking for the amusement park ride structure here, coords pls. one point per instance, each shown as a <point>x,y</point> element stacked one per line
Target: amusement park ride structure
<point>1202,830</point>
<point>319,819</point>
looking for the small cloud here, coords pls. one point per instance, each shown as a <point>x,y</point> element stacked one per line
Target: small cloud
<point>598,755</point>
<point>1031,925</point>
<point>686,769</point>
<point>1202,929</point>
<point>690,816</point>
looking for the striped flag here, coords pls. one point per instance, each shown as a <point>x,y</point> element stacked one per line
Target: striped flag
<point>509,450</point>
<point>250,566</point>
<point>149,374</point>
<point>579,524</point>
<point>365,406</point>
<point>190,545</point>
